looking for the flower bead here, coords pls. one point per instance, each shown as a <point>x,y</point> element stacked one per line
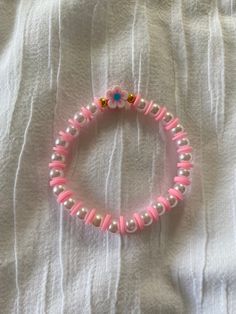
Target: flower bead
<point>116,97</point>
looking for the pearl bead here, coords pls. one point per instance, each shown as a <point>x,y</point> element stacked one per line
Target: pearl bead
<point>185,157</point>
<point>168,116</point>
<point>72,130</point>
<point>147,219</point>
<point>160,208</point>
<point>172,200</point>
<point>184,172</point>
<point>177,129</point>
<point>92,108</point>
<point>113,227</point>
<point>155,109</point>
<point>57,157</point>
<point>183,142</point>
<point>82,213</point>
<point>131,226</point>
<point>60,142</point>
<point>97,220</point>
<point>55,173</point>
<point>180,187</point>
<point>58,189</point>
<point>79,117</point>
<point>69,203</point>
<point>141,105</point>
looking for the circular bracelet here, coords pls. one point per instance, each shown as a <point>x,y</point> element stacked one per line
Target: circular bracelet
<point>119,98</point>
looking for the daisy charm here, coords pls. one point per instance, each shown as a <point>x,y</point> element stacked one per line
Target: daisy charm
<point>116,97</point>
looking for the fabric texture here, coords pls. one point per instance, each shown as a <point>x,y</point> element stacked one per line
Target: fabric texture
<point>55,56</point>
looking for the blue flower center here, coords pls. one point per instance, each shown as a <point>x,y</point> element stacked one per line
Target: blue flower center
<point>117,96</point>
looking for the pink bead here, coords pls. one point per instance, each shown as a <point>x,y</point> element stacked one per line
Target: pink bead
<point>172,124</point>
<point>75,208</point>
<point>160,114</point>
<point>185,149</point>
<point>122,225</point>
<point>139,221</point>
<point>74,123</point>
<point>176,194</point>
<point>62,197</point>
<point>137,100</point>
<point>185,165</point>
<point>153,213</point>
<point>106,222</point>
<point>182,180</point>
<point>57,181</point>
<point>149,107</point>
<point>164,201</point>
<point>89,217</point>
<point>66,136</point>
<point>87,113</point>
<point>179,135</point>
<point>56,164</point>
<point>60,150</point>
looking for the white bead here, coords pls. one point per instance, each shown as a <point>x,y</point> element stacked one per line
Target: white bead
<point>97,220</point>
<point>184,172</point>
<point>180,187</point>
<point>113,227</point>
<point>155,109</point>
<point>92,108</point>
<point>55,173</point>
<point>82,213</point>
<point>185,157</point>
<point>72,130</point>
<point>172,200</point>
<point>183,142</point>
<point>141,105</point>
<point>60,142</point>
<point>177,129</point>
<point>160,208</point>
<point>69,203</point>
<point>147,219</point>
<point>57,157</point>
<point>79,117</point>
<point>168,116</point>
<point>131,226</point>
<point>58,189</point>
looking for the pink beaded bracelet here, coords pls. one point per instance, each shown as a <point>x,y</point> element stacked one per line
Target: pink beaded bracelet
<point>119,98</point>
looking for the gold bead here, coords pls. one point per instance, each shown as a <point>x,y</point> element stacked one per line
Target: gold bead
<point>97,220</point>
<point>131,98</point>
<point>104,102</point>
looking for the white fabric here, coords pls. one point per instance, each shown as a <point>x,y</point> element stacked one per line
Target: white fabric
<point>54,57</point>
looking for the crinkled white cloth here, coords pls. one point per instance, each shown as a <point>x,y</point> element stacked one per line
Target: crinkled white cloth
<point>54,57</point>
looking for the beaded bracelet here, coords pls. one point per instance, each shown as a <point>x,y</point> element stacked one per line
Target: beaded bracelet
<point>119,98</point>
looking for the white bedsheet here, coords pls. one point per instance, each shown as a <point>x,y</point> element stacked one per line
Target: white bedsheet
<point>54,57</point>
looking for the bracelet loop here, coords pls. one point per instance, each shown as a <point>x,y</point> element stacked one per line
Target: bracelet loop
<point>119,98</point>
